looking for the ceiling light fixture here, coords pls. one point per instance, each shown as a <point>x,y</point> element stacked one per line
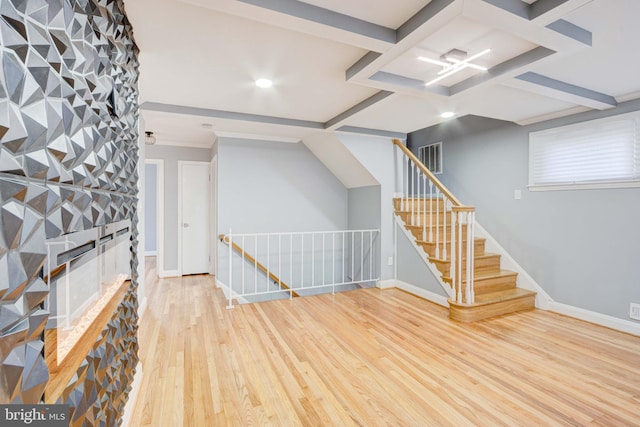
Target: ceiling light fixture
<point>447,114</point>
<point>149,138</point>
<point>264,83</point>
<point>452,62</point>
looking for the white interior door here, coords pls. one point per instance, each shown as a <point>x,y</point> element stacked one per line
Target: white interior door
<point>195,217</point>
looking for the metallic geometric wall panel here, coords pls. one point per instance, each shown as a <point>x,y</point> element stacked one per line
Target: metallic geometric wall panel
<point>68,162</point>
<point>98,392</point>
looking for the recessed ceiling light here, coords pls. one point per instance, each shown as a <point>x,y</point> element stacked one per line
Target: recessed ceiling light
<point>447,114</point>
<point>207,125</point>
<point>264,83</point>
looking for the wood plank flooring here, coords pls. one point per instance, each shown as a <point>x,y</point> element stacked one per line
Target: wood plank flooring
<point>372,358</point>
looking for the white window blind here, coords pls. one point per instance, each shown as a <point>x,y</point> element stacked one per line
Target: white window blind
<point>431,157</point>
<point>599,153</point>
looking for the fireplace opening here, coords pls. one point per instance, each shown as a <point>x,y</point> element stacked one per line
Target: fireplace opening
<point>84,271</point>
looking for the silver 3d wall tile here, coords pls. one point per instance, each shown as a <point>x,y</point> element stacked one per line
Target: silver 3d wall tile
<point>68,162</point>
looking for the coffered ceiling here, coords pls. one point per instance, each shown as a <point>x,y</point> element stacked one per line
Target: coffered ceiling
<point>352,65</point>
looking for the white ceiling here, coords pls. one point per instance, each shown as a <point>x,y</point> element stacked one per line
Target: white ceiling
<point>345,64</point>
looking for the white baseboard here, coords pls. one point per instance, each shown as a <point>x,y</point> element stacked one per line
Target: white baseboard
<point>168,273</point>
<point>150,253</point>
<point>386,284</point>
<point>133,396</point>
<point>525,281</point>
<point>415,290</point>
<point>597,318</point>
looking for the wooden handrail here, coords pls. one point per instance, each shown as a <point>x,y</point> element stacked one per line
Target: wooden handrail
<point>428,173</point>
<point>253,261</point>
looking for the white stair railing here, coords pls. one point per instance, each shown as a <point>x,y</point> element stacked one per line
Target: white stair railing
<point>298,263</point>
<point>436,215</point>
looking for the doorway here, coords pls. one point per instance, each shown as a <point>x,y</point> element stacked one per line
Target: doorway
<point>193,217</point>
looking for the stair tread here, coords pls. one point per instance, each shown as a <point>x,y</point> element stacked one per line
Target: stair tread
<point>485,255</point>
<point>502,296</point>
<point>487,276</point>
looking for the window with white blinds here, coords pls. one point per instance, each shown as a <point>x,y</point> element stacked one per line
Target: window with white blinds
<point>596,154</point>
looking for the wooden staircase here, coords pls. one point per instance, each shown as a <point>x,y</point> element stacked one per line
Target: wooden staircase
<point>495,289</point>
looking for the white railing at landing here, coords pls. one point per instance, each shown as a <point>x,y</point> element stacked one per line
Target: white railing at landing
<point>295,263</point>
<point>421,193</point>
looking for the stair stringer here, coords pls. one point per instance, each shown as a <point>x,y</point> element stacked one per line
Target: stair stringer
<point>524,279</point>
<point>399,224</point>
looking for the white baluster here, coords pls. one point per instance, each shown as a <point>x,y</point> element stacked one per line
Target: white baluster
<point>242,265</point>
<point>452,265</point>
<point>424,208</point>
<point>460,258</point>
<point>280,261</point>
<point>361,255</point>
<point>302,260</point>
<point>313,259</point>
<point>353,260</point>
<point>324,265</point>
<point>291,266</point>
<point>413,218</point>
<point>230,241</point>
<point>430,211</point>
<point>333,262</point>
<point>437,223</point>
<point>370,255</point>
<point>419,207</point>
<point>444,229</point>
<point>470,258</point>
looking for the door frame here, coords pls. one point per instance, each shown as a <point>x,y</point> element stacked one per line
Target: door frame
<point>213,246</point>
<point>181,164</point>
<point>159,214</point>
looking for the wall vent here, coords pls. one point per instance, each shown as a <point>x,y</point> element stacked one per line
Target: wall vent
<point>431,157</point>
<point>634,311</point>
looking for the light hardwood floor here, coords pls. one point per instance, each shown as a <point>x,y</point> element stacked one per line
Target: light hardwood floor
<point>370,357</point>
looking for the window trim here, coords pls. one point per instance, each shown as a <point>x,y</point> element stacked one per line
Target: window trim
<point>584,185</point>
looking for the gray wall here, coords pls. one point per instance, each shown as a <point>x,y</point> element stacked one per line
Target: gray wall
<point>364,214</point>
<point>412,269</point>
<point>171,155</point>
<point>581,246</point>
<point>364,208</point>
<point>275,186</point>
<point>269,187</point>
<point>150,212</point>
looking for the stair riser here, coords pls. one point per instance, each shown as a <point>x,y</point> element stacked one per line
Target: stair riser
<point>430,247</point>
<point>475,313</point>
<point>489,285</point>
<point>485,265</point>
<point>421,204</point>
<point>435,219</point>
<point>441,232</point>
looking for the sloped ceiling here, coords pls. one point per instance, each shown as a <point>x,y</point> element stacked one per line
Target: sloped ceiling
<point>351,65</point>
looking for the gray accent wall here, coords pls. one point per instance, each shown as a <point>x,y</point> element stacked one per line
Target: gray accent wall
<point>581,246</point>
<point>171,155</point>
